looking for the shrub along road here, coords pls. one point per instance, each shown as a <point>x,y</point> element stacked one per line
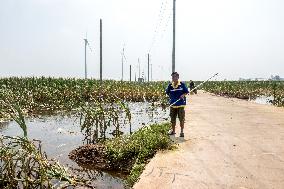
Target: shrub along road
<point>229,143</point>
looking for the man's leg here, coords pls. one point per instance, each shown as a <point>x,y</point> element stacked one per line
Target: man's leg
<point>181,126</point>
<point>173,115</point>
<point>173,127</point>
<point>181,116</point>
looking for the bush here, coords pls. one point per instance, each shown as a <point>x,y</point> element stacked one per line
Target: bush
<point>138,148</point>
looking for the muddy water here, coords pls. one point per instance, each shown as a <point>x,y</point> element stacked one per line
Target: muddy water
<point>60,134</point>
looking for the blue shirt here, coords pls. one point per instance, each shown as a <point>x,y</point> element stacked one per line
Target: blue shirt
<point>175,92</point>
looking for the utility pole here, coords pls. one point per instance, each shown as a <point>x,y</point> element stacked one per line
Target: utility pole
<point>86,42</point>
<point>174,37</point>
<point>122,65</point>
<point>122,56</point>
<point>101,52</point>
<point>139,66</point>
<point>130,73</point>
<point>151,73</point>
<point>148,67</point>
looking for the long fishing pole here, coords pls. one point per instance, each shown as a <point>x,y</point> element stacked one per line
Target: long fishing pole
<point>196,87</point>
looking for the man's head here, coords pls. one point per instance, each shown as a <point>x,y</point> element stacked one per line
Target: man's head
<point>175,77</point>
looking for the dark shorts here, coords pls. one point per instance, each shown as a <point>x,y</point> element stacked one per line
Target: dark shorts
<point>174,112</point>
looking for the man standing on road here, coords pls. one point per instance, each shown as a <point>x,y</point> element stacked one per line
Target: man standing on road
<point>191,86</point>
<point>177,91</point>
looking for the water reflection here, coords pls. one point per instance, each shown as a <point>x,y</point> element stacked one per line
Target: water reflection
<point>263,100</point>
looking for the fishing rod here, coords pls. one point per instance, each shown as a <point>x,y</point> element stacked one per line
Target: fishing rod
<point>196,87</point>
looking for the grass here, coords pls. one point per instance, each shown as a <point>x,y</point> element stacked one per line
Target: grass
<point>138,148</point>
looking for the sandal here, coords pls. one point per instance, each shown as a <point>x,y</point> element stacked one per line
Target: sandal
<point>171,132</point>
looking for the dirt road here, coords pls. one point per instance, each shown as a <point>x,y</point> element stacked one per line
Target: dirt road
<point>229,143</point>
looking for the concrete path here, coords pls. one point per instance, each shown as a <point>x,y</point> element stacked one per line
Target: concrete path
<point>229,143</point>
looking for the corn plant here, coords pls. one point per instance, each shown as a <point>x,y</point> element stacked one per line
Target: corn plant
<point>97,117</point>
<point>248,89</point>
<point>38,96</point>
<point>23,164</point>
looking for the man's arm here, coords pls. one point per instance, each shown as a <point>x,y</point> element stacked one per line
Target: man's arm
<point>185,90</point>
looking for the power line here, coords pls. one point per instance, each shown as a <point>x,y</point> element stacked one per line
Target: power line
<point>167,24</point>
<point>160,20</point>
<point>90,47</point>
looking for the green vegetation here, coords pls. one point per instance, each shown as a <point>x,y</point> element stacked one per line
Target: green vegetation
<point>48,95</point>
<point>24,165</point>
<point>248,89</point>
<point>97,117</point>
<point>100,106</point>
<point>138,148</point>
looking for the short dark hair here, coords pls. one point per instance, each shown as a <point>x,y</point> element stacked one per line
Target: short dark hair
<point>175,73</point>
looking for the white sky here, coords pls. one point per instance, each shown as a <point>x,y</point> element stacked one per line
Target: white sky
<point>237,38</point>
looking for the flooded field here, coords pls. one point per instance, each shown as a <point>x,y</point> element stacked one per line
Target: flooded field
<point>61,133</point>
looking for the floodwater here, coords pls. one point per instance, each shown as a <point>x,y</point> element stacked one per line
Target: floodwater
<point>263,100</point>
<point>61,134</point>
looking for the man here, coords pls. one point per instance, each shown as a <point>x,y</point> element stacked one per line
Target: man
<point>177,91</point>
<point>191,86</point>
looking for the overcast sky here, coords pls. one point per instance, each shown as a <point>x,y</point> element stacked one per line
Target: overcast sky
<point>237,38</point>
